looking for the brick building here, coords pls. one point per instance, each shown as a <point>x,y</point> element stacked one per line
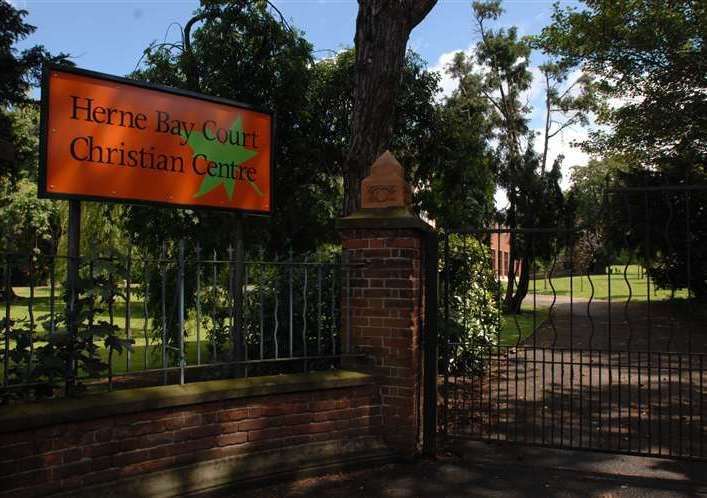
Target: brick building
<point>500,244</point>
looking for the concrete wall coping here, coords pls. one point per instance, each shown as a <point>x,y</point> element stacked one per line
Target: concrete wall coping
<point>33,415</point>
<point>383,218</point>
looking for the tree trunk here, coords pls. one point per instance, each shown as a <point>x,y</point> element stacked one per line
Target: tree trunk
<point>516,301</point>
<point>513,253</point>
<point>510,284</point>
<point>382,31</point>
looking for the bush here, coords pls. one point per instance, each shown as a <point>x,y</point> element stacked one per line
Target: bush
<point>473,306</point>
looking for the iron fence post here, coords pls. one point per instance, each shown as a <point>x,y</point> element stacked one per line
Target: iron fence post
<point>429,341</point>
<point>181,311</point>
<point>128,284</point>
<point>445,424</point>
<point>237,335</point>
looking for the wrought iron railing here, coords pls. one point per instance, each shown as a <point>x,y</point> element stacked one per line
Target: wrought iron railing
<point>607,350</point>
<point>181,316</point>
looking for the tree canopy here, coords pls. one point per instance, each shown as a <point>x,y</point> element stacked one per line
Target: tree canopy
<point>243,52</point>
<point>20,70</point>
<point>26,221</point>
<point>650,60</point>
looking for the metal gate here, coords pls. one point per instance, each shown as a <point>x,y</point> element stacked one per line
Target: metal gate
<point>608,350</point>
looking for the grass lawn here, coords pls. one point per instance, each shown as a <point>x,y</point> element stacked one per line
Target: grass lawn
<point>581,287</point>
<point>513,326</point>
<point>148,355</point>
<point>143,355</point>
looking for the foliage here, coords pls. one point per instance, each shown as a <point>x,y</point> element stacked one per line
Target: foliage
<point>26,221</point>
<point>456,182</point>
<point>215,301</point>
<point>588,187</point>
<point>69,351</point>
<point>649,57</point>
<point>474,316</point>
<point>313,102</point>
<point>502,77</point>
<point>506,56</point>
<point>649,60</point>
<point>666,230</point>
<point>573,101</point>
<point>588,195</point>
<point>21,70</point>
<point>443,147</point>
<point>24,133</point>
<point>247,55</point>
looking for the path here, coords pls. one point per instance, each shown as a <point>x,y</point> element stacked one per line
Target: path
<point>500,471</point>
<point>614,378</point>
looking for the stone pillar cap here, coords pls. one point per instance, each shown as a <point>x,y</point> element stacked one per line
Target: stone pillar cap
<point>386,164</point>
<point>385,187</point>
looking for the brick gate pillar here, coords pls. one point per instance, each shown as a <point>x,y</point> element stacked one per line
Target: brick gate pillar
<point>385,242</point>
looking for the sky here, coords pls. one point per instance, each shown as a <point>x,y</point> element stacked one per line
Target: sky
<point>110,36</point>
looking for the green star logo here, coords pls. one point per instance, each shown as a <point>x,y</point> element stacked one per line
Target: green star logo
<point>221,153</point>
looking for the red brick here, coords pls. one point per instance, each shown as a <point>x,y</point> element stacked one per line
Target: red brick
<point>147,441</point>
<point>234,415</point>
<point>197,432</point>
<point>296,419</point>
<point>231,439</point>
<point>9,467</point>
<point>46,432</point>
<point>71,455</point>
<point>71,469</point>
<point>101,449</point>
<point>139,429</point>
<point>71,482</point>
<point>258,423</point>
<point>19,450</point>
<point>131,457</point>
<point>103,435</point>
<point>101,476</point>
<point>24,479</point>
<point>101,463</point>
<point>283,409</point>
<point>193,445</point>
<point>147,466</point>
<point>355,244</point>
<point>329,404</point>
<point>172,424</point>
<point>191,420</point>
<point>267,434</point>
<point>408,242</point>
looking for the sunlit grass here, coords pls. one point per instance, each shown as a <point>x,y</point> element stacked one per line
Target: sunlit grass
<point>621,283</point>
<point>145,352</point>
<point>516,328</point>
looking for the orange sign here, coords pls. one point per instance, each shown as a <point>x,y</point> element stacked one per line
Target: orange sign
<point>109,138</point>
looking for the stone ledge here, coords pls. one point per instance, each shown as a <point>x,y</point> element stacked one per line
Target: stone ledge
<point>383,218</point>
<point>44,413</point>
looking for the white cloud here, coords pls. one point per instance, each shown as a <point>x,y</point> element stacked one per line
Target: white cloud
<point>537,87</point>
<point>563,143</point>
<point>447,83</point>
<point>500,199</point>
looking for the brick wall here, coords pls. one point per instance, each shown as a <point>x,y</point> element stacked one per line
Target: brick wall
<point>386,308</point>
<point>68,456</point>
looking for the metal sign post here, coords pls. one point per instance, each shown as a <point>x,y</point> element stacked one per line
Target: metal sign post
<point>72,278</point>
